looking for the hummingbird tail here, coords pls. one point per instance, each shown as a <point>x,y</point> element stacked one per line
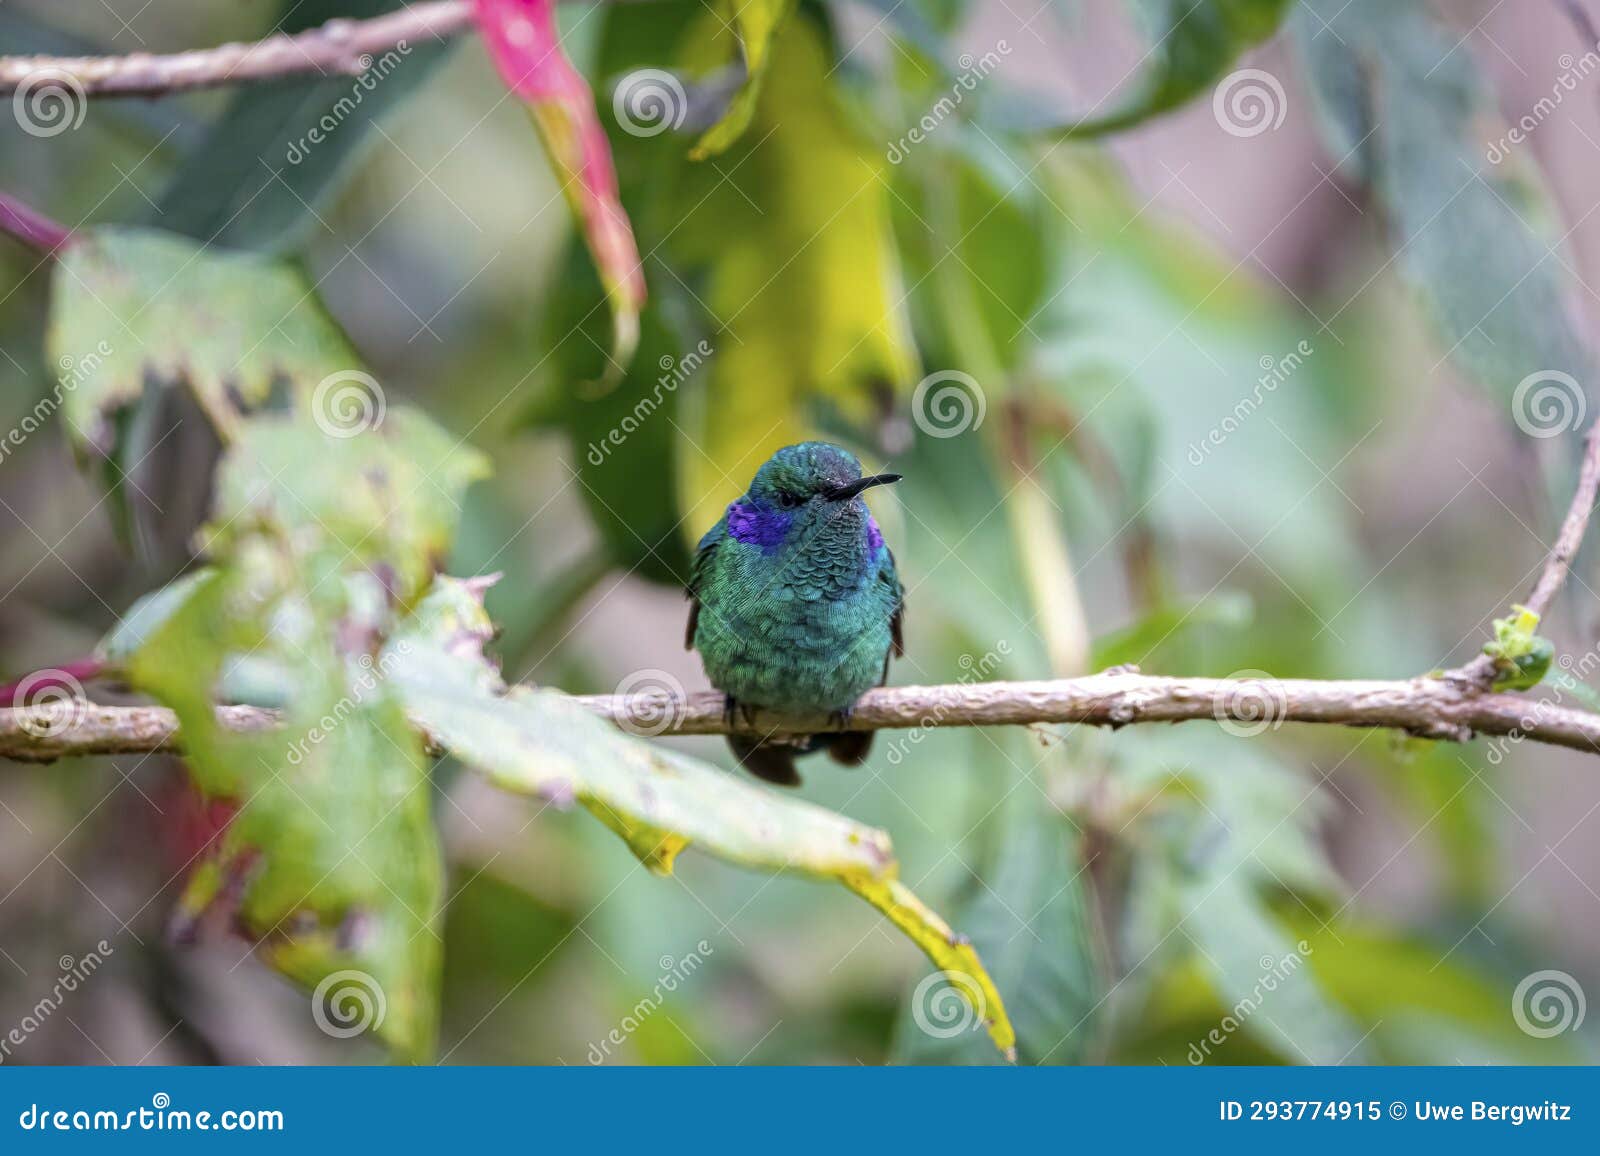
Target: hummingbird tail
<point>769,761</point>
<point>850,748</point>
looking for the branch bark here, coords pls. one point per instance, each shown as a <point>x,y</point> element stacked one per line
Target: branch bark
<point>1481,671</point>
<point>1428,707</point>
<point>339,46</point>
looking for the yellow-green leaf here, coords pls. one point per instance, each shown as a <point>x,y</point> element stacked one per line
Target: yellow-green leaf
<point>951,953</point>
<point>803,279</point>
<point>540,742</point>
<point>756,21</point>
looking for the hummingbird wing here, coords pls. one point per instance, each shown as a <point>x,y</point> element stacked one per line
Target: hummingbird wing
<point>851,748</point>
<point>889,576</point>
<point>700,574</point>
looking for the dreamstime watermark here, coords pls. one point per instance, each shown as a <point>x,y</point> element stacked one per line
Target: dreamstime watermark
<point>948,403</point>
<point>1548,1003</point>
<point>364,683</point>
<point>373,72</point>
<point>648,102</point>
<point>948,1003</point>
<point>653,701</point>
<point>973,69</point>
<point>1572,71</point>
<point>347,1003</point>
<point>1548,404</point>
<point>972,670</point>
<point>74,371</point>
<point>73,973</point>
<point>1274,372</point>
<point>1275,970</point>
<point>160,1116</point>
<point>53,702</point>
<point>1249,102</point>
<point>49,102</point>
<point>1253,702</point>
<point>673,972</point>
<point>348,403</point>
<point>674,372</point>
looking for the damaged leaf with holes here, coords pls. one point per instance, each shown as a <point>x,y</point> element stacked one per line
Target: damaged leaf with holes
<point>331,864</point>
<point>134,309</point>
<point>136,314</point>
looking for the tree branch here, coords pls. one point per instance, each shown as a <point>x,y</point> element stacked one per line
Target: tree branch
<point>339,46</point>
<point>1428,707</point>
<point>31,227</point>
<point>1481,671</point>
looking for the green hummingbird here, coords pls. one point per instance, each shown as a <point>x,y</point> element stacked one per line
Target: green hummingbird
<point>795,605</point>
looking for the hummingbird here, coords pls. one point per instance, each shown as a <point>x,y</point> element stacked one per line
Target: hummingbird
<point>795,605</point>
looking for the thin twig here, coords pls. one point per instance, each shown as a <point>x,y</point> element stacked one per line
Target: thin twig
<point>1481,671</point>
<point>339,46</point>
<point>31,227</point>
<point>1427,707</point>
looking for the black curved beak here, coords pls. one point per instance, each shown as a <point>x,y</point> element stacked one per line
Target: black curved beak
<point>853,489</point>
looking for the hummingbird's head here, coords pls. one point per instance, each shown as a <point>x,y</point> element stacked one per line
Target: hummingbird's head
<point>811,475</point>
<point>805,487</point>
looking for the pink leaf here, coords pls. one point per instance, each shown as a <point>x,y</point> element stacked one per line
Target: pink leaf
<point>521,38</point>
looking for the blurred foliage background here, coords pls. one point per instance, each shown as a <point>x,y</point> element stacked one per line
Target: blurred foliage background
<point>1248,397</point>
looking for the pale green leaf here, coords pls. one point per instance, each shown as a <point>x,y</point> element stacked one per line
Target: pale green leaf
<point>541,743</point>
<point>1192,44</point>
<point>136,308</point>
<point>1405,100</point>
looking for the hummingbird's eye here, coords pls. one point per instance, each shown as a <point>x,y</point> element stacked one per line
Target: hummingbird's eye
<point>789,500</point>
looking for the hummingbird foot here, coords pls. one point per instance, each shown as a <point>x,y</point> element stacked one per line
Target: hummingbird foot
<point>841,718</point>
<point>732,706</point>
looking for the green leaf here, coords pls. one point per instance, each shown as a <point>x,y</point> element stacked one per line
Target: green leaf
<point>624,441</point>
<point>1429,1004</point>
<point>1259,970</point>
<point>146,616</point>
<point>387,499</point>
<point>975,228</point>
<point>1402,97</point>
<point>1219,832</point>
<point>1193,43</point>
<point>278,151</point>
<point>1030,921</point>
<point>802,279</point>
<point>1521,656</point>
<point>952,954</point>
<point>756,22</point>
<point>134,309</point>
<point>541,743</point>
<point>331,863</point>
